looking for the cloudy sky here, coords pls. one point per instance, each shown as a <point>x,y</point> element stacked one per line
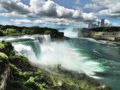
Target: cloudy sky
<point>58,12</point>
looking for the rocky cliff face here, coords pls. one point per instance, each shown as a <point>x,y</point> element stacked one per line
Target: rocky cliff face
<point>16,73</point>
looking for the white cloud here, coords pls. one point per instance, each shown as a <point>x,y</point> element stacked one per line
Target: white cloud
<point>112,11</point>
<point>99,4</point>
<point>52,9</point>
<point>14,6</point>
<point>40,21</point>
<point>12,14</point>
<point>105,7</point>
<point>90,16</point>
<point>42,8</point>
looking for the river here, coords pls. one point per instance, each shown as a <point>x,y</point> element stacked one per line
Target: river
<point>94,58</point>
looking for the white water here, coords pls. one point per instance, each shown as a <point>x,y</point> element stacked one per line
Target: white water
<point>61,53</point>
<point>26,51</point>
<point>58,53</point>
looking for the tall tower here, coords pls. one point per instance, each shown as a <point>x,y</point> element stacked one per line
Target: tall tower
<point>102,22</point>
<point>90,25</point>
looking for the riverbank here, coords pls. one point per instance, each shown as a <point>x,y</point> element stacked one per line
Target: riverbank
<point>102,33</point>
<point>18,74</point>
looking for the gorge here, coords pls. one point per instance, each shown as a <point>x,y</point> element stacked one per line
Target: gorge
<point>50,65</point>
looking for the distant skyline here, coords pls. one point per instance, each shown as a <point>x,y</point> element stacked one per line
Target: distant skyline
<point>53,13</point>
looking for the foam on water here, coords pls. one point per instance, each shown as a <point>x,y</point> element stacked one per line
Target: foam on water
<point>54,53</point>
<point>63,54</point>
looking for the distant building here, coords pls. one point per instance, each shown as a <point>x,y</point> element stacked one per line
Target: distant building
<point>102,22</point>
<point>90,25</point>
<point>93,25</point>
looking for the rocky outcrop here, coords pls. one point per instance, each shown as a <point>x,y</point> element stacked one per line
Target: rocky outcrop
<point>4,70</point>
<point>4,77</point>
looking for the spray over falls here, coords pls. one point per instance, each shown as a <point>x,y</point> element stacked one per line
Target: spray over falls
<point>40,50</point>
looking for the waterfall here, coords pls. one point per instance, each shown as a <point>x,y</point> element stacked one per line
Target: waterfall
<point>29,46</point>
<point>40,50</point>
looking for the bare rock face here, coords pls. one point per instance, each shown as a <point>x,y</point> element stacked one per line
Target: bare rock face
<point>4,77</point>
<point>4,70</point>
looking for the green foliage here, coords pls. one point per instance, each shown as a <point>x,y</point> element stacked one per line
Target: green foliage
<point>11,31</point>
<point>3,56</point>
<point>15,30</point>
<point>7,48</point>
<point>32,84</point>
<point>109,29</point>
<point>14,67</point>
<point>30,80</point>
<point>20,62</point>
<point>24,74</point>
<point>2,46</point>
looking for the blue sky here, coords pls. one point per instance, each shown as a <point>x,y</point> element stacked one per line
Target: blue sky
<point>56,13</point>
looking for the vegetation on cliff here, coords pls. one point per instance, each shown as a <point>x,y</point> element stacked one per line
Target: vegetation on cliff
<point>10,30</point>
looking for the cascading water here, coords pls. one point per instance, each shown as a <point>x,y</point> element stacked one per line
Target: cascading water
<point>41,51</point>
<point>31,47</point>
<point>81,55</point>
<point>56,53</point>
